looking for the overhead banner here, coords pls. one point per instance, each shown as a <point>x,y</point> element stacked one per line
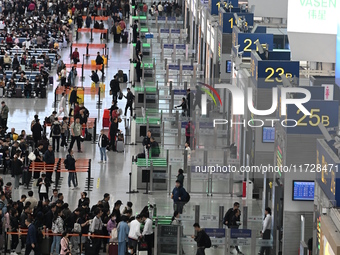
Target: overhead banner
<point>313,16</point>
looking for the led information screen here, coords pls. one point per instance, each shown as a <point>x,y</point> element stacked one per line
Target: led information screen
<point>313,16</point>
<point>303,190</point>
<point>268,134</point>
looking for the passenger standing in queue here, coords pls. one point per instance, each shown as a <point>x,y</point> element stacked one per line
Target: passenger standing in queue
<point>230,213</point>
<point>202,239</point>
<point>148,233</point>
<point>235,223</point>
<point>266,230</point>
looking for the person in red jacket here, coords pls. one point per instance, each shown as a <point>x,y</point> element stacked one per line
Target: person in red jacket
<point>75,56</point>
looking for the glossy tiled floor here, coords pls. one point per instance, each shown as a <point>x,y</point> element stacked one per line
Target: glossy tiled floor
<point>113,177</point>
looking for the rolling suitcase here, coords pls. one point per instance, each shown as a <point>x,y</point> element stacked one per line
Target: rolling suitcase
<point>120,146</point>
<point>43,93</point>
<point>125,37</point>
<point>18,93</point>
<point>45,246</point>
<point>50,79</point>
<point>113,248</point>
<point>125,77</point>
<point>90,248</point>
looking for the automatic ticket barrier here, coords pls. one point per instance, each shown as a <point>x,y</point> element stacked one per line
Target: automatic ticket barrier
<point>149,123</point>
<point>146,97</point>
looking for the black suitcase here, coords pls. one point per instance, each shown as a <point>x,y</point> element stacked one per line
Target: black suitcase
<point>50,79</point>
<point>18,93</point>
<point>125,37</point>
<point>88,137</point>
<point>90,248</point>
<point>125,78</point>
<point>43,93</point>
<point>45,246</point>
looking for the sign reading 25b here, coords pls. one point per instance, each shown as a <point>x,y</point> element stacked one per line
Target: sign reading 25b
<point>324,112</point>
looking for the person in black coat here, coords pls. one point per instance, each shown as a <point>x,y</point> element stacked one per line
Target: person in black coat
<point>73,99</point>
<point>43,185</point>
<point>134,32</point>
<point>49,158</point>
<point>189,102</point>
<point>36,132</point>
<point>139,66</point>
<point>16,170</point>
<point>94,77</point>
<point>48,218</point>
<point>113,132</point>
<point>100,61</point>
<point>138,46</point>
<point>230,213</point>
<point>103,141</point>
<point>183,105</point>
<point>129,101</point>
<point>115,88</point>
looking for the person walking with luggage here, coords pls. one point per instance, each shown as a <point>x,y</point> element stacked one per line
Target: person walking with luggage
<point>55,133</point>
<point>202,239</point>
<point>31,240</point>
<point>183,105</point>
<point>148,233</point>
<point>73,100</point>
<point>75,134</point>
<point>129,101</point>
<point>178,195</point>
<point>4,114</point>
<point>115,88</point>
<point>123,232</point>
<point>100,62</point>
<point>70,165</point>
<point>103,142</point>
<point>266,230</point>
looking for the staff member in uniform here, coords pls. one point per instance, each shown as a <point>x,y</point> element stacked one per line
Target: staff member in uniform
<point>266,230</point>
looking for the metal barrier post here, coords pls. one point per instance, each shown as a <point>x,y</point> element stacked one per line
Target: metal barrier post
<point>151,175</point>
<point>107,35</point>
<point>205,163</point>
<point>179,136</point>
<point>87,50</point>
<point>188,178</point>
<point>197,214</point>
<point>76,35</point>
<point>6,240</point>
<point>220,216</point>
<point>144,100</point>
<point>82,78</point>
<point>245,216</point>
<point>91,39</point>
<point>95,130</point>
<point>89,177</point>
<point>55,99</point>
<point>185,160</point>
<point>169,171</point>
<point>147,124</point>
<point>172,98</point>
<point>71,51</point>
<point>163,127</point>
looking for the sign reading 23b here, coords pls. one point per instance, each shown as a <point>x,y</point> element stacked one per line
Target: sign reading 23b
<point>269,72</point>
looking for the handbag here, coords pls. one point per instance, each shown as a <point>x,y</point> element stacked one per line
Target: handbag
<point>76,228</point>
<point>120,96</point>
<point>32,156</point>
<point>142,245</point>
<point>114,234</point>
<point>110,92</point>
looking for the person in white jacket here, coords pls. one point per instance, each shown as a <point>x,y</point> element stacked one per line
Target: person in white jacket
<point>62,105</point>
<point>266,230</point>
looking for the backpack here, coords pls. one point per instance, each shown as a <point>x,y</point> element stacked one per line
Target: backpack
<point>186,197</point>
<point>56,129</point>
<point>207,241</point>
<point>66,162</point>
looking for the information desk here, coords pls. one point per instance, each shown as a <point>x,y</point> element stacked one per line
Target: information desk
<point>159,177</point>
